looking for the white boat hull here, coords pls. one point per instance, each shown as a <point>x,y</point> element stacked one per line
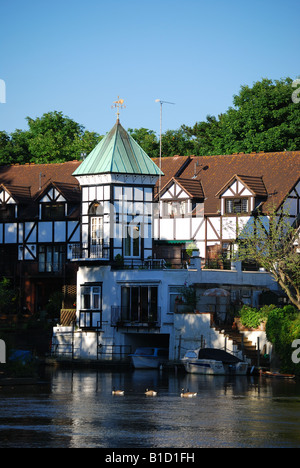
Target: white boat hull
<point>141,362</point>
<point>204,366</point>
<point>149,358</point>
<point>241,368</point>
<point>195,362</point>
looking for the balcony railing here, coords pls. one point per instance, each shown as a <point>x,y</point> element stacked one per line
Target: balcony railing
<point>101,252</point>
<point>217,264</point>
<point>135,317</point>
<point>83,251</point>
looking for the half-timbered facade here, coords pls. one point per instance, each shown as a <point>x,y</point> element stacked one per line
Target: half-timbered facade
<point>99,231</point>
<point>39,227</point>
<point>234,187</point>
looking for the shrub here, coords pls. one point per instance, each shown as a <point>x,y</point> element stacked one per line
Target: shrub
<point>283,327</point>
<point>252,317</point>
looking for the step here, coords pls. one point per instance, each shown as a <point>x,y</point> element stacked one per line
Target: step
<point>249,350</point>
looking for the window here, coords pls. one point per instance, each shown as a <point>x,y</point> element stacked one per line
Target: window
<point>139,303</point>
<point>97,231</point>
<point>236,205</point>
<point>132,241</point>
<point>175,208</point>
<point>90,315</point>
<point>96,208</point>
<point>7,211</point>
<point>91,297</point>
<point>53,211</point>
<point>227,250</point>
<point>51,258</point>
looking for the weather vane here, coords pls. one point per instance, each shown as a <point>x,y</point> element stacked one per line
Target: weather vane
<point>119,104</point>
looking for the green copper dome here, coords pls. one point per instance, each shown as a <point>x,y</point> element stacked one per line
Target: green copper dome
<point>117,153</point>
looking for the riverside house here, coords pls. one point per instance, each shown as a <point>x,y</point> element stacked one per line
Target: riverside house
<point>125,255</point>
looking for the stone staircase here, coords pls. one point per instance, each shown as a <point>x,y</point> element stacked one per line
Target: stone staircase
<point>243,344</point>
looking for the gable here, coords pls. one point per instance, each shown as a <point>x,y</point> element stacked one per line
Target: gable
<point>179,188</point>
<point>174,191</point>
<point>6,197</point>
<point>52,195</point>
<point>237,189</point>
<point>243,186</point>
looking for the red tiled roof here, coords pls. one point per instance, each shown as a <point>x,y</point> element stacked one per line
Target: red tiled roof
<point>268,175</point>
<point>38,176</point>
<point>255,184</point>
<point>277,172</point>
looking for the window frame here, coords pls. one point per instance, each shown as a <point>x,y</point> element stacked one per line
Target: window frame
<point>90,312</point>
<point>50,252</point>
<point>53,211</point>
<point>236,201</point>
<point>132,244</point>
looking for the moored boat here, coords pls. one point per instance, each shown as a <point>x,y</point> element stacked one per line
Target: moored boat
<point>213,362</point>
<point>277,375</point>
<point>149,357</point>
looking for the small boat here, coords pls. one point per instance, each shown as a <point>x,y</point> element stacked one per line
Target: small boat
<point>213,362</point>
<point>277,375</point>
<point>149,358</point>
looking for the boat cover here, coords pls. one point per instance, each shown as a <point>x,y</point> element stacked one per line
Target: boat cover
<point>218,355</point>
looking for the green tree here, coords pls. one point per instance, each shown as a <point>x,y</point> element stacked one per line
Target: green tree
<point>263,118</point>
<point>282,329</point>
<point>147,140</point>
<point>176,142</point>
<point>204,136</point>
<point>57,138</point>
<point>8,297</point>
<point>50,138</point>
<point>270,240</point>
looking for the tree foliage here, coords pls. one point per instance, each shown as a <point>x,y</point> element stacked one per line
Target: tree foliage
<point>270,240</point>
<point>282,328</point>
<point>49,139</point>
<point>262,118</point>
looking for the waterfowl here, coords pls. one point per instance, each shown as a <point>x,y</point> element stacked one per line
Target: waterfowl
<point>117,392</point>
<point>187,394</point>
<point>150,392</point>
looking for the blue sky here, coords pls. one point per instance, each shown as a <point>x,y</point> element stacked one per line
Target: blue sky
<point>78,56</point>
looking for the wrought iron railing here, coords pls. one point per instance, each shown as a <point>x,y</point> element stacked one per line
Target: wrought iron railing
<point>135,316</point>
<point>83,251</point>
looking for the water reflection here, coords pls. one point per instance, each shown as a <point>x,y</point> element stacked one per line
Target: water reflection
<point>79,410</point>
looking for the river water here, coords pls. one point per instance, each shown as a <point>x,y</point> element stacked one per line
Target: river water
<point>76,409</point>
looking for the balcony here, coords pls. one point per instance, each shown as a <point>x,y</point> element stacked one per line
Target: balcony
<point>85,252</point>
<point>136,317</point>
